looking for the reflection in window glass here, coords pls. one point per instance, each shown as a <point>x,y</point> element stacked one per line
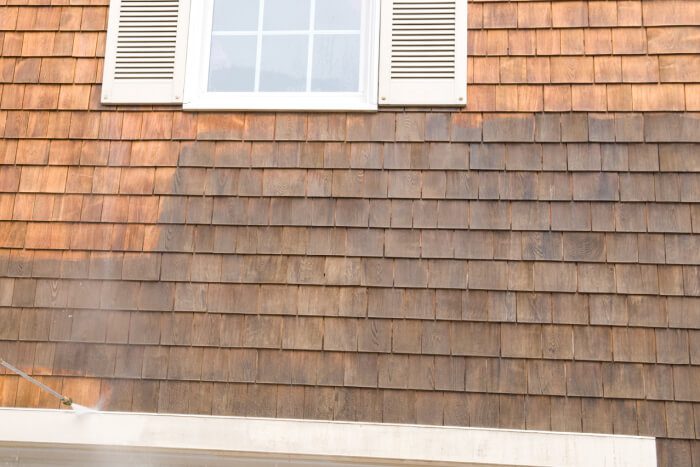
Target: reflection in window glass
<point>265,46</point>
<point>236,15</point>
<point>286,15</point>
<point>336,63</point>
<point>283,63</point>
<point>232,64</point>
<point>338,14</point>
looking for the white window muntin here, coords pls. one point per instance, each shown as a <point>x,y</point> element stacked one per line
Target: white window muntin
<point>198,97</point>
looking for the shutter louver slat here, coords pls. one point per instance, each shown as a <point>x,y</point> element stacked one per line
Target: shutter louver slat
<point>423,52</point>
<point>145,55</point>
<point>145,26</point>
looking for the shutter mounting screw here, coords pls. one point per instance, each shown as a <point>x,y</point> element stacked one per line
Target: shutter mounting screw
<point>461,98</point>
<point>383,98</point>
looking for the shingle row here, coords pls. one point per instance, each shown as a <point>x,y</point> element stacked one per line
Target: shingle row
<point>262,291</point>
<point>369,370</point>
<point>427,337</point>
<point>314,244</point>
<point>384,126</point>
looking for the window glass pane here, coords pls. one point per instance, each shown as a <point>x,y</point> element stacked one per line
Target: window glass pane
<point>286,15</point>
<point>283,63</point>
<point>338,14</point>
<point>232,63</point>
<point>336,63</point>
<point>236,15</point>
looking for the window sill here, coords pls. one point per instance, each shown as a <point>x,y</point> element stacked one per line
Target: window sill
<point>279,101</point>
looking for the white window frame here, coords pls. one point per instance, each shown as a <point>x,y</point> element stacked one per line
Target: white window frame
<point>197,97</point>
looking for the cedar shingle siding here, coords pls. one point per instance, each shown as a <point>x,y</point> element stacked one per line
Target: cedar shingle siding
<point>530,262</point>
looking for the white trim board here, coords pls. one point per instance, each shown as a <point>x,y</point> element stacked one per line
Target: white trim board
<point>332,441</point>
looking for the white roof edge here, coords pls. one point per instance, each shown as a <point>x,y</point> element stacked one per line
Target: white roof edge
<point>325,439</point>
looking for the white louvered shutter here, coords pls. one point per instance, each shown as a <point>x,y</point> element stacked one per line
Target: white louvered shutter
<point>145,52</point>
<point>423,52</point>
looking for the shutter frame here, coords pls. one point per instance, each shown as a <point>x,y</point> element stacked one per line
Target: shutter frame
<point>427,83</point>
<point>145,87</point>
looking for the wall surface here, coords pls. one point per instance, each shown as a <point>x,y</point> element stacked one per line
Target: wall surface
<point>532,261</point>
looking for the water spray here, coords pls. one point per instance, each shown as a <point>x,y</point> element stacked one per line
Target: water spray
<point>67,401</point>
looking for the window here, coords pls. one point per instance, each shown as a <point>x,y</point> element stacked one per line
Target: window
<point>286,54</point>
<point>283,54</point>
